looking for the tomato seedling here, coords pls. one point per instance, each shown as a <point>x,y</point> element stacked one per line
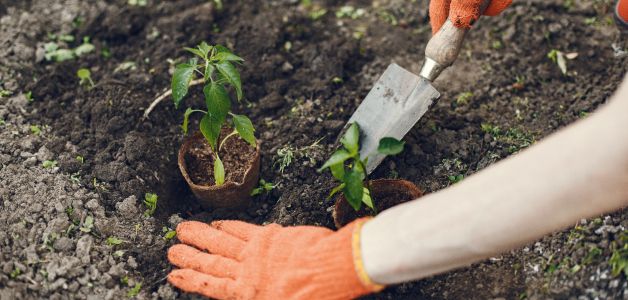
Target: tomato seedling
<point>349,168</point>
<point>217,70</point>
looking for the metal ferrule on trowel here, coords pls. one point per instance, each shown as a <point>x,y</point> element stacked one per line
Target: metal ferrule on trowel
<point>400,98</point>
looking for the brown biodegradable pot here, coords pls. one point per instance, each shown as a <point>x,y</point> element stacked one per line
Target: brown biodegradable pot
<point>386,193</point>
<point>234,193</point>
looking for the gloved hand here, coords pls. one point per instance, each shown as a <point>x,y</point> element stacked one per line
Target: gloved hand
<point>462,13</point>
<point>245,261</point>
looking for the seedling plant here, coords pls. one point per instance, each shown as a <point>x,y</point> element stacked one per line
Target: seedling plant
<point>85,77</point>
<point>216,66</point>
<point>349,168</point>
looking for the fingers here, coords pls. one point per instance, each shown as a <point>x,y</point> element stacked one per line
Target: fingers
<point>209,286</point>
<point>238,229</point>
<point>186,257</point>
<point>204,237</point>
<point>463,13</point>
<point>439,11</point>
<point>496,7</point>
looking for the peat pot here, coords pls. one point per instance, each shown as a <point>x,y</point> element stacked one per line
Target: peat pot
<point>242,168</point>
<point>386,193</point>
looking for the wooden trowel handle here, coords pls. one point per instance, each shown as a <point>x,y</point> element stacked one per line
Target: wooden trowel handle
<point>444,47</point>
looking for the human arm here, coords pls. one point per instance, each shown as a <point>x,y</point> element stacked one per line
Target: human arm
<point>579,172</point>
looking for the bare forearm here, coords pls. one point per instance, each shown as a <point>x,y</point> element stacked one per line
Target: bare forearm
<point>580,172</point>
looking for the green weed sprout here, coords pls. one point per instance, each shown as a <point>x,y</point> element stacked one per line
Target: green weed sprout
<point>150,200</point>
<point>216,67</point>
<point>346,166</point>
<point>85,76</point>
<point>264,186</point>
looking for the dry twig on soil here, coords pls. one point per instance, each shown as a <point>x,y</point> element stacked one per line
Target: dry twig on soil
<point>166,95</point>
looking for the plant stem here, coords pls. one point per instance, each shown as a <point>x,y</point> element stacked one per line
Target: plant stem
<point>225,139</point>
<point>368,184</point>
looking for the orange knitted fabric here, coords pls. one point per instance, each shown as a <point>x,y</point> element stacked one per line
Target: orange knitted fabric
<point>622,10</point>
<point>245,261</point>
<point>463,13</point>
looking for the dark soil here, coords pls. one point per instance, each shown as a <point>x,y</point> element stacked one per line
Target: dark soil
<point>385,194</point>
<point>303,78</point>
<point>236,155</point>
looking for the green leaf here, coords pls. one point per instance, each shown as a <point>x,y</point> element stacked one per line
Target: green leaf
<point>170,234</point>
<point>84,49</point>
<point>217,101</point>
<point>209,71</point>
<point>186,120</point>
<point>183,75</point>
<point>210,128</point>
<point>49,164</point>
<point>83,73</point>
<point>245,129</point>
<point>339,157</point>
<point>366,198</point>
<point>150,200</point>
<point>222,49</point>
<point>60,55</point>
<point>204,48</point>
<point>390,146</point>
<point>336,190</point>
<point>354,190</point>
<point>351,139</point>
<point>338,171</point>
<point>358,166</point>
<point>196,52</point>
<point>229,72</point>
<point>227,56</point>
<point>219,171</point>
<point>113,241</point>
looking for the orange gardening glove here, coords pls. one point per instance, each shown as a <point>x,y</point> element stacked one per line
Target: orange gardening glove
<point>622,11</point>
<point>245,261</point>
<point>462,13</point>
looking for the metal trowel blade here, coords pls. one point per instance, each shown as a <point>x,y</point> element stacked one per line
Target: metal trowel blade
<point>393,106</point>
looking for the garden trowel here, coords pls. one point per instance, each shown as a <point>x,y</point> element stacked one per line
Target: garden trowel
<point>400,98</point>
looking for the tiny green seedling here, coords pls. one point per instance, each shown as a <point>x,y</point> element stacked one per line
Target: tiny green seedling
<point>113,241</point>
<point>463,98</point>
<point>35,129</point>
<point>150,200</point>
<point>49,164</point>
<point>456,178</point>
<point>54,53</point>
<point>346,165</point>
<point>85,77</point>
<point>289,153</point>
<point>558,58</point>
<point>135,290</point>
<point>137,2</point>
<point>15,273</point>
<point>88,224</point>
<point>168,233</point>
<point>29,96</point>
<point>5,93</point>
<point>619,261</point>
<point>263,187</point>
<point>218,71</point>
